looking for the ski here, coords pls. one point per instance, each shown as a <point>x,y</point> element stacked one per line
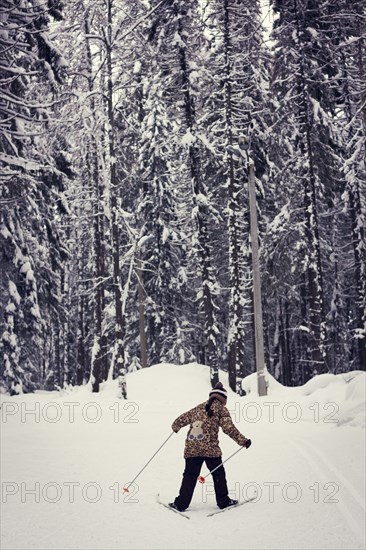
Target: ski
<point>231,507</point>
<point>169,508</point>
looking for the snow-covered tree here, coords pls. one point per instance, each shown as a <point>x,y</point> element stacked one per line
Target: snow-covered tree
<point>32,175</point>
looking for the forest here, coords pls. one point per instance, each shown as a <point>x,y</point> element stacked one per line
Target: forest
<point>124,214</point>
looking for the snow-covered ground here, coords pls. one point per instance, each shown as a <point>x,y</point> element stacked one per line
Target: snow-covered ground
<point>66,456</point>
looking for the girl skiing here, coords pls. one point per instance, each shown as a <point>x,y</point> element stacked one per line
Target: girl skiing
<point>202,445</point>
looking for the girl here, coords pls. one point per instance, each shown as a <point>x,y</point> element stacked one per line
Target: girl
<point>202,445</point>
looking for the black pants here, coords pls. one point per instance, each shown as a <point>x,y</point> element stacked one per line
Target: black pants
<point>190,475</point>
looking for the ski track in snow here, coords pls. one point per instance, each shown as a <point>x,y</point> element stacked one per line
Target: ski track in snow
<point>331,468</point>
<point>323,469</point>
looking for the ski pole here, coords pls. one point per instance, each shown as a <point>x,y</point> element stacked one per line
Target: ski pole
<point>134,479</point>
<point>202,479</point>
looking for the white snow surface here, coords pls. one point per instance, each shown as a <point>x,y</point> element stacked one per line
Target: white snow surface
<point>77,450</point>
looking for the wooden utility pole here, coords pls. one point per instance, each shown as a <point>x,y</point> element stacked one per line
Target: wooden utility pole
<point>257,299</point>
<point>240,152</point>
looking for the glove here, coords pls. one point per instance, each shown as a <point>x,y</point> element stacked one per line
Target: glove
<point>248,443</point>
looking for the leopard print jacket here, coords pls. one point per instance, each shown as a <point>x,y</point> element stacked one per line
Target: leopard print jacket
<point>202,437</point>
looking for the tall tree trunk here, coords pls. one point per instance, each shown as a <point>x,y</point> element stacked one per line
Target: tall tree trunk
<point>141,299</point>
<point>304,337</point>
<point>359,250</point>
<point>356,209</point>
<point>314,270</point>
<point>99,368</point>
<point>236,332</point>
<point>81,353</point>
<point>204,251</point>
<point>117,283</point>
<point>287,350</point>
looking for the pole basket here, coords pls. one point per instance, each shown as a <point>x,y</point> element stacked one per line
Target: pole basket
<point>201,479</point>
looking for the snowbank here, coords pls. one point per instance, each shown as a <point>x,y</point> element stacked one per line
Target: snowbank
<point>339,397</point>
